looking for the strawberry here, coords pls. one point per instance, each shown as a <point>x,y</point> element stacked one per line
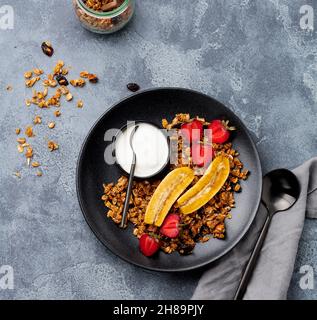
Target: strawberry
<point>148,245</point>
<point>202,154</point>
<point>192,131</point>
<point>170,225</point>
<point>220,131</point>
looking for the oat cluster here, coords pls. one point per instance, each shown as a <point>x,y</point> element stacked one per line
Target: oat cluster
<point>55,88</point>
<point>208,222</point>
<point>103,5</point>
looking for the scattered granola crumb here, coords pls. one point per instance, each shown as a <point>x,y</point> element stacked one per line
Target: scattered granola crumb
<point>52,145</point>
<point>39,173</point>
<point>20,148</point>
<point>17,174</point>
<point>55,79</point>
<point>29,131</point>
<point>9,88</point>
<point>80,104</point>
<point>35,164</point>
<point>51,125</point>
<point>38,72</point>
<point>31,82</point>
<point>78,82</point>
<point>37,120</point>
<point>59,66</point>
<point>28,74</point>
<point>64,71</point>
<point>69,96</point>
<point>50,83</point>
<point>63,90</point>
<point>84,74</point>
<point>92,78</point>
<point>21,140</point>
<point>29,152</point>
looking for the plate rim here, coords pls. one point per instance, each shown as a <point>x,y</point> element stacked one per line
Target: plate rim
<point>96,232</point>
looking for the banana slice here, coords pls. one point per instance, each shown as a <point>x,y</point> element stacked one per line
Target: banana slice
<point>171,187</point>
<point>207,187</point>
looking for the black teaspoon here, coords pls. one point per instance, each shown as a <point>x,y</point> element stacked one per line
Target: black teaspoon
<point>131,177</point>
<point>281,190</point>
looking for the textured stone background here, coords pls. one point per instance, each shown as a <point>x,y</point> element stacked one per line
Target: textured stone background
<point>251,55</point>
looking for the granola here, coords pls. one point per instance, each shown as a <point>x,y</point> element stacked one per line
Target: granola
<point>37,120</point>
<point>78,82</point>
<point>80,103</point>
<point>35,164</point>
<point>39,173</point>
<point>51,125</point>
<point>200,226</point>
<point>52,146</point>
<point>113,21</point>
<point>57,113</point>
<point>53,81</point>
<point>29,131</point>
<point>31,82</point>
<point>103,5</point>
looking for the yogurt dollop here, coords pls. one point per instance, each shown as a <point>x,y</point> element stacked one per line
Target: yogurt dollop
<point>150,146</point>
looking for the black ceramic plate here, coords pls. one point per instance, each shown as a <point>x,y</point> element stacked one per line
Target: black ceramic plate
<point>92,172</point>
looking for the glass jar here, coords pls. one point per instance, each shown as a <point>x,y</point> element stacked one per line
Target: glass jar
<point>104,22</point>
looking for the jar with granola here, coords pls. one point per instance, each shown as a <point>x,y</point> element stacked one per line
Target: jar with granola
<point>104,16</point>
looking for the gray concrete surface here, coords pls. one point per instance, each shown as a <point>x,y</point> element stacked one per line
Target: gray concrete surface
<point>251,55</point>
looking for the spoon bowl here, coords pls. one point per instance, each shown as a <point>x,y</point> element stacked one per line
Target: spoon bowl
<point>281,190</point>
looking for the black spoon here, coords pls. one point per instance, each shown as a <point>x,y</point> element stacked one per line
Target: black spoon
<point>130,183</point>
<point>281,190</point>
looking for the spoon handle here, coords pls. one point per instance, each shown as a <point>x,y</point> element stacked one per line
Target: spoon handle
<point>127,197</point>
<point>252,261</point>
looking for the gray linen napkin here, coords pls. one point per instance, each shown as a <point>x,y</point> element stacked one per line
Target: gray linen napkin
<point>273,272</point>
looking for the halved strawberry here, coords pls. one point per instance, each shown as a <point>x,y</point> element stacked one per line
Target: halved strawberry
<point>220,131</point>
<point>192,131</point>
<point>148,245</point>
<point>202,154</point>
<point>170,226</point>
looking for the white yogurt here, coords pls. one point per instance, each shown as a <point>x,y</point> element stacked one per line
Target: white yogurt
<point>151,148</point>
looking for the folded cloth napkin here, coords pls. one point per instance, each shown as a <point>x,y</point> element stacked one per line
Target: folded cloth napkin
<point>273,272</point>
